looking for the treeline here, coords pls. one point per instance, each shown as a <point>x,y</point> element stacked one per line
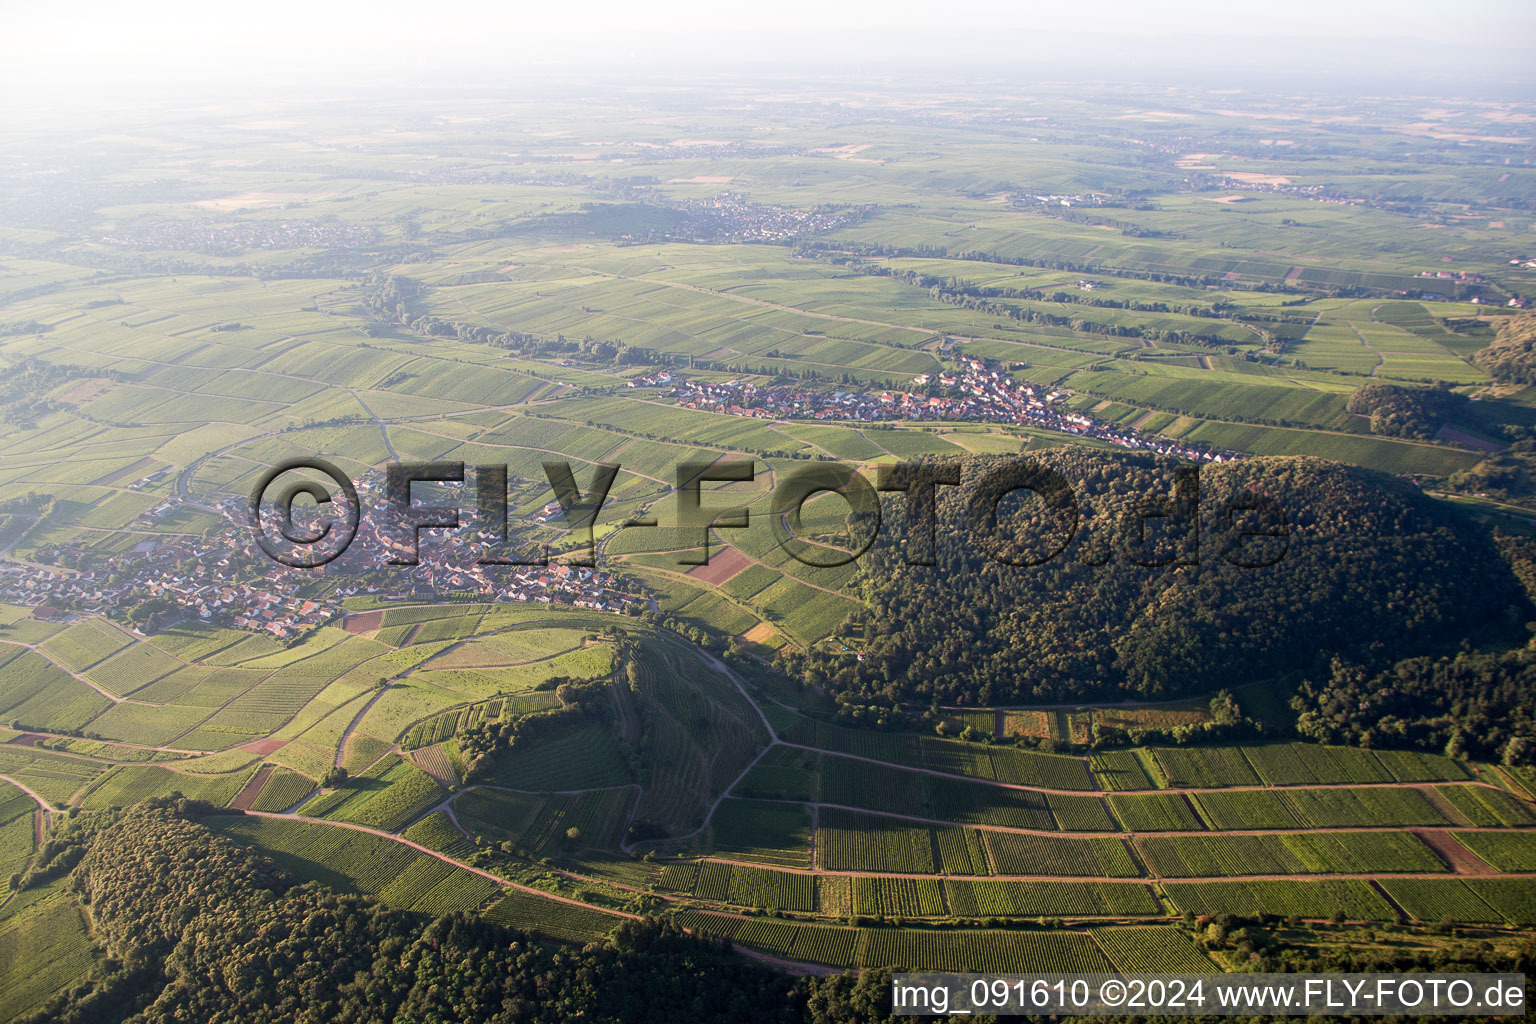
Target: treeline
<point>826,248</point>
<point>1271,944</point>
<point>1472,702</point>
<point>1214,310</point>
<point>389,299</point>
<point>969,296</point>
<point>1511,357</point>
<point>1476,703</point>
<point>1363,567</point>
<point>1126,228</point>
<point>830,247</point>
<point>1075,324</point>
<point>1509,475</point>
<point>25,388</point>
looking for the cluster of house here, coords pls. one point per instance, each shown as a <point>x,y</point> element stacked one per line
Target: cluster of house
<point>971,392</point>
<point>226,581</point>
<point>732,216</point>
<point>191,575</point>
<point>210,236</point>
<point>378,561</point>
<point>555,583</point>
<point>283,615</point>
<point>1068,199</point>
<point>656,379</point>
<point>155,477</point>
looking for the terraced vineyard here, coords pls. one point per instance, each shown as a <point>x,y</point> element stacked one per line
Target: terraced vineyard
<point>1506,851</point>
<point>858,842</point>
<point>1064,952</point>
<point>387,796</point>
<point>563,921</point>
<point>1234,855</point>
<point>924,839</point>
<point>1060,898</point>
<point>1322,899</point>
<point>1154,812</point>
<point>1151,950</point>
<point>1434,900</point>
<point>361,862</point>
<point>1018,854</point>
<point>43,949</point>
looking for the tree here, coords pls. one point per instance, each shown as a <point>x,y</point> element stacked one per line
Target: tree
<point>1511,359</point>
<point>337,776</point>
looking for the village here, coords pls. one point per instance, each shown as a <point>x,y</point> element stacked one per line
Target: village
<point>971,392</point>
<point>225,580</point>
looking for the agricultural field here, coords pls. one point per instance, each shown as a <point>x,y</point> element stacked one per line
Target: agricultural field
<point>1317,900</point>
<point>387,796</point>
<point>1119,769</point>
<point>1151,950</point>
<point>1506,851</point>
<point>43,949</point>
<point>1233,855</point>
<point>360,862</point>
<point>861,842</point>
<point>1154,812</point>
<point>1483,805</point>
<point>127,784</point>
<point>1433,900</point>
<point>1068,952</point>
<point>819,821</point>
<point>1019,854</point>
<point>772,833</point>
<point>1036,899</point>
<point>597,816</point>
<point>766,889</point>
<point>563,921</point>
<point>498,815</point>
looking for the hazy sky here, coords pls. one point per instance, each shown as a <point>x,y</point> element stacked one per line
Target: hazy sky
<point>47,46</point>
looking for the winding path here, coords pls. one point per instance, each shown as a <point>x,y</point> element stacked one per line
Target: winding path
<point>43,805</point>
<point>445,858</point>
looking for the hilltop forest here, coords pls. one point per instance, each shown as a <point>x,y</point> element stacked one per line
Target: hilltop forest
<point>1146,600</point>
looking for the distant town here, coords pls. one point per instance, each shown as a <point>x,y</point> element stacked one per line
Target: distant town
<point>971,392</point>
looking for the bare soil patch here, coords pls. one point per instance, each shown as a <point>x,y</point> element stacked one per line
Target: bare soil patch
<point>118,474</point>
<point>252,789</point>
<point>1462,860</point>
<point>364,622</point>
<point>758,634</point>
<point>723,564</point>
<point>263,747</point>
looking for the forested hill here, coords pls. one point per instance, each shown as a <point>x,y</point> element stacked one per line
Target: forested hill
<point>1370,569</point>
